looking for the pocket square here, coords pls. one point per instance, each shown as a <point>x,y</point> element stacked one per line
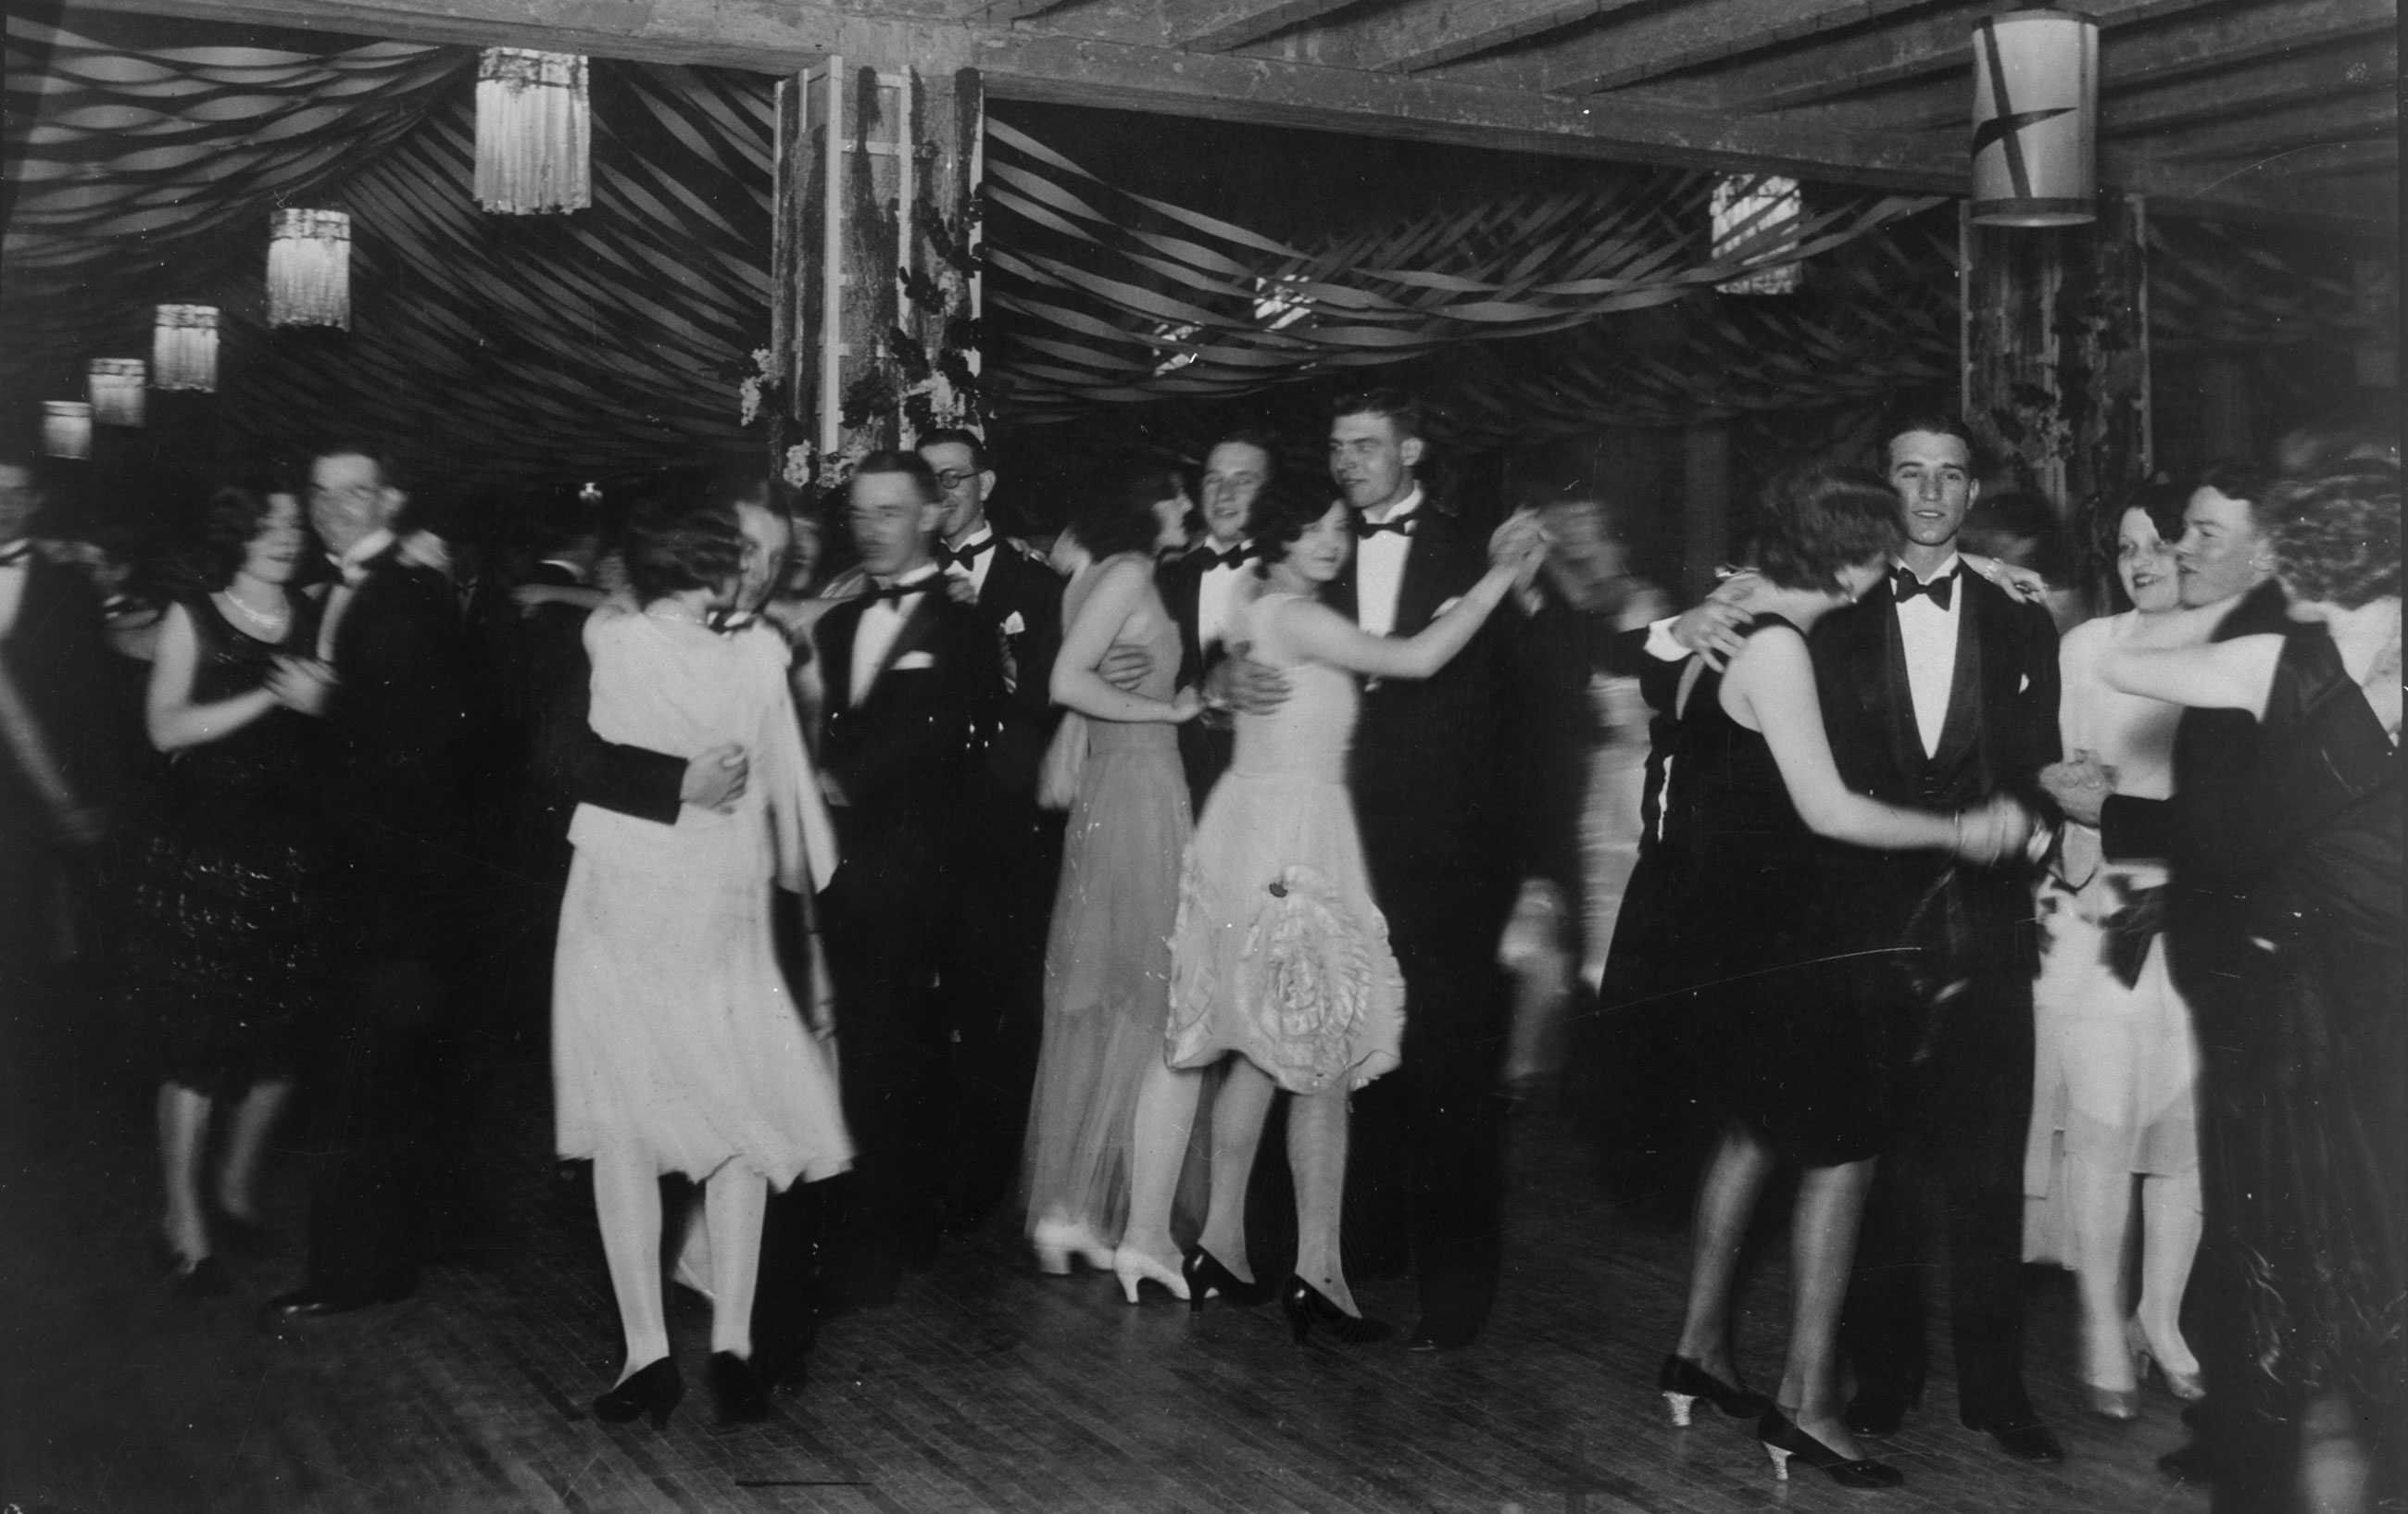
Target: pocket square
<point>2023,683</point>
<point>1014,625</point>
<point>910,662</point>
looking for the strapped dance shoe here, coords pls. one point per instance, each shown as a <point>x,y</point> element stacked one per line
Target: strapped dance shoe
<point>1132,1267</point>
<point>1782,1440</point>
<point>1307,1306</point>
<point>1682,1383</point>
<point>1206,1276</point>
<point>652,1390</point>
<point>1056,1241</point>
<point>2187,1386</point>
<point>737,1392</point>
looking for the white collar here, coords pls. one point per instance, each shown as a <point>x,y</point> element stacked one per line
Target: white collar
<point>1400,509</point>
<point>986,529</point>
<point>1955,561</point>
<point>365,548</point>
<point>919,575</point>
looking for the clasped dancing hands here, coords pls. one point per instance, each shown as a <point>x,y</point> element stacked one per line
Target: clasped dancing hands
<point>1994,832</point>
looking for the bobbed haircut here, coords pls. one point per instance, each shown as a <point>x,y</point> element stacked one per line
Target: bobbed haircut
<point>1120,517</point>
<point>2162,503</point>
<point>912,465</point>
<point>2337,538</point>
<point>1281,520</point>
<point>1812,523</point>
<point>1400,409</point>
<point>671,543</point>
<point>230,520</point>
<point>1936,422</point>
<point>955,436</point>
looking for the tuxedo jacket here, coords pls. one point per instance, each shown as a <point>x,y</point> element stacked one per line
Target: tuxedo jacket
<point>58,657</point>
<point>1021,604</point>
<point>2000,731</point>
<point>1206,743</point>
<point>397,722</point>
<point>1429,751</point>
<point>911,757</point>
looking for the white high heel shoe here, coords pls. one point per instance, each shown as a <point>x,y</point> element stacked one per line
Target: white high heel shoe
<point>1055,1241</point>
<point>1133,1267</point>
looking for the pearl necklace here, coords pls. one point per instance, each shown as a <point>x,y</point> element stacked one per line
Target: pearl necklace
<point>273,623</point>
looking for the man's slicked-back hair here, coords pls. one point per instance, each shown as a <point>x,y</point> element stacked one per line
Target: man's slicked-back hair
<point>388,466</point>
<point>2236,478</point>
<point>959,437</point>
<point>1257,439</point>
<point>1939,422</point>
<point>912,465</point>
<point>1400,409</point>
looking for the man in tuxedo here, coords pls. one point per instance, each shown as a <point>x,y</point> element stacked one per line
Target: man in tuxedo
<point>992,993</point>
<point>390,630</point>
<point>1427,1156</point>
<point>1940,691</point>
<point>2225,566</point>
<point>914,700</point>
<point>1200,588</point>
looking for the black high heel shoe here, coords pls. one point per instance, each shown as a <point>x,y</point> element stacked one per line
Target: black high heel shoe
<point>1782,1440</point>
<point>1682,1383</point>
<point>1307,1307</point>
<point>737,1392</point>
<point>1206,1275</point>
<point>652,1390</point>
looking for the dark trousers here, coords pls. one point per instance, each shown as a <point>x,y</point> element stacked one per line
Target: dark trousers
<point>884,923</point>
<point>373,1108</point>
<point>991,1002</point>
<point>1957,1171</point>
<point>1429,1140</point>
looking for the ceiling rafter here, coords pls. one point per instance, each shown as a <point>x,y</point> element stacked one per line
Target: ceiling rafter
<point>1644,44</point>
<point>1219,25</point>
<point>2359,118</point>
<point>1431,33</point>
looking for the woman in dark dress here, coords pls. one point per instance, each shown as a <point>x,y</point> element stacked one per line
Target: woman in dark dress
<point>224,940</point>
<point>1797,1073</point>
<point>2302,1287</point>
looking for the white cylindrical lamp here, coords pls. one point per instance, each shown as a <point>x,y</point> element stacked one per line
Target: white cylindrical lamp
<point>184,347</point>
<point>534,132</point>
<point>116,389</point>
<point>2035,119</point>
<point>66,429</point>
<point>309,269</point>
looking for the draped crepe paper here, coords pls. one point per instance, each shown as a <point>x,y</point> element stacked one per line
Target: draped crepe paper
<point>184,347</point>
<point>2035,119</point>
<point>66,428</point>
<point>534,132</point>
<point>115,386</point>
<point>1748,206</point>
<point>1153,300</point>
<point>309,269</point>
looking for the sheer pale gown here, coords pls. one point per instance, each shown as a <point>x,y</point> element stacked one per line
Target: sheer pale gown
<point>2116,1064</point>
<point>673,1028</point>
<point>1108,954</point>
<point>1280,954</point>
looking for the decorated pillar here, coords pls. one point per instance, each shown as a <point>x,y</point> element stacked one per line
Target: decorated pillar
<point>2056,352</point>
<point>874,264</point>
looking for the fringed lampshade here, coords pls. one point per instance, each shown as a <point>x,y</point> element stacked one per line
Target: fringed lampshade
<point>66,428</point>
<point>309,269</point>
<point>2035,119</point>
<point>1755,209</point>
<point>534,132</point>
<point>115,385</point>
<point>184,347</point>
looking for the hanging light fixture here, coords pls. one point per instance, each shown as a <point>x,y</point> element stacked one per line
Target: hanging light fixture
<point>115,386</point>
<point>309,269</point>
<point>534,132</point>
<point>66,428</point>
<point>1754,210</point>
<point>2035,119</point>
<point>184,347</point>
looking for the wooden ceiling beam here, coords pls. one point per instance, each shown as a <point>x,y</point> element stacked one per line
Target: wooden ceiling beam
<point>2359,118</point>
<point>1004,12</point>
<point>2166,106</point>
<point>1431,33</point>
<point>1942,45</point>
<point>1219,25</point>
<point>1649,43</point>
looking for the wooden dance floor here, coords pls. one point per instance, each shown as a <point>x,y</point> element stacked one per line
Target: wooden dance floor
<point>988,1387</point>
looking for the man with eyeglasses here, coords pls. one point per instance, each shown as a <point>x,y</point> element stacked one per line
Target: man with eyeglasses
<point>994,971</point>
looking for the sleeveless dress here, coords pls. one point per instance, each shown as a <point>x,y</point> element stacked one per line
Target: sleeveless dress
<point>1108,954</point>
<point>1773,1038</point>
<point>225,947</point>
<point>2114,1063</point>
<point>673,1028</point>
<point>1280,954</point>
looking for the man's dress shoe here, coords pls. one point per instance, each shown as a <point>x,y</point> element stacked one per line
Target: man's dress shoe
<point>2025,1440</point>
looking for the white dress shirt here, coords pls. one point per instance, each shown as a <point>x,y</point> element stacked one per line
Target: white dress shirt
<point>1215,590</point>
<point>881,623</point>
<point>1379,570</point>
<point>1929,634</point>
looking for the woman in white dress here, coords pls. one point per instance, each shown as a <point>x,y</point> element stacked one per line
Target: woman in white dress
<point>675,1043</point>
<point>2116,1065</point>
<point>1280,954</point>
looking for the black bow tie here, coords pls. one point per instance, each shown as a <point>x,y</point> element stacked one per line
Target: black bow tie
<point>13,554</point>
<point>899,591</point>
<point>1216,557</point>
<point>727,623</point>
<point>1905,585</point>
<point>1394,526</point>
<point>964,558</point>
